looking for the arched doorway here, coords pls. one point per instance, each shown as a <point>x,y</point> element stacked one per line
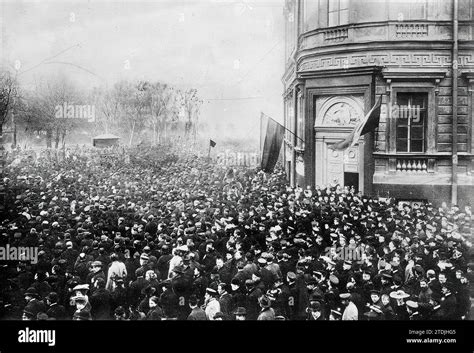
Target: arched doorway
<point>336,116</point>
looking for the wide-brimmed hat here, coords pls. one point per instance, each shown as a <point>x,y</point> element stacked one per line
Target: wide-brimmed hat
<point>399,294</point>
<point>211,291</point>
<point>81,287</point>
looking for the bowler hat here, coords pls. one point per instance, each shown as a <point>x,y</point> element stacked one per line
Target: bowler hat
<point>52,297</point>
<point>32,292</point>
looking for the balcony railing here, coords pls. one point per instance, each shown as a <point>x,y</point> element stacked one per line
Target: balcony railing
<point>412,165</point>
<point>410,30</point>
<point>337,34</point>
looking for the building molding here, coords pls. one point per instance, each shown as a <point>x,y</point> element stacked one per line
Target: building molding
<point>414,59</point>
<point>368,70</point>
<point>419,74</point>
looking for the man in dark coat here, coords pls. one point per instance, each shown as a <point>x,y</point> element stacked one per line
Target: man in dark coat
<point>238,294</point>
<point>447,307</point>
<point>34,304</point>
<point>100,301</point>
<point>252,305</point>
<point>197,314</point>
<point>55,310</point>
<point>169,302</point>
<point>137,286</point>
<point>155,312</point>
<point>225,299</point>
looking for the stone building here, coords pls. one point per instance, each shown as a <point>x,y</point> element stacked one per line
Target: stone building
<point>343,54</point>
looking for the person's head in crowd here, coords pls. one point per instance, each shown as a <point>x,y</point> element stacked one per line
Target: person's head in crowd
<point>120,314</point>
<point>153,301</point>
<point>240,314</point>
<point>193,301</point>
<point>442,278</point>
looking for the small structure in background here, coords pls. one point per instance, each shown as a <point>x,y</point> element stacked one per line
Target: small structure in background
<point>105,140</point>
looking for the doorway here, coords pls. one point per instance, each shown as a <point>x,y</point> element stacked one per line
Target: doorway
<point>352,179</point>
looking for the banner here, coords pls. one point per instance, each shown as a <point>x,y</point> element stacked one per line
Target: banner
<point>271,138</point>
<point>369,123</point>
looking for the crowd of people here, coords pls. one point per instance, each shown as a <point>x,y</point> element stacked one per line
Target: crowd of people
<point>168,236</point>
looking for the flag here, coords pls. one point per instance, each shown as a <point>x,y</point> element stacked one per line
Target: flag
<point>271,138</point>
<point>212,143</point>
<point>369,123</point>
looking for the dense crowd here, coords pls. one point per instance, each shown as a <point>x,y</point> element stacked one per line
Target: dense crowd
<point>148,235</point>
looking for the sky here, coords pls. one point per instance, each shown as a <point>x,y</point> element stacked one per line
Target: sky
<point>232,51</point>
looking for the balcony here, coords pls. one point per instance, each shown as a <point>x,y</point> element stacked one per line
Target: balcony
<point>417,30</point>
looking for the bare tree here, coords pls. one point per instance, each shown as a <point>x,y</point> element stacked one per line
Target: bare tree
<point>9,93</point>
<point>133,101</point>
<point>192,105</point>
<point>161,102</point>
<point>47,109</point>
<point>110,108</point>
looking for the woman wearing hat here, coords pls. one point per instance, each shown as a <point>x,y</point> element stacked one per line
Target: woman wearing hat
<point>399,308</point>
<point>82,308</point>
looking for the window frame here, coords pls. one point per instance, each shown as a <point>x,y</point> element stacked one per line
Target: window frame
<point>409,125</point>
<point>430,125</point>
<point>338,11</point>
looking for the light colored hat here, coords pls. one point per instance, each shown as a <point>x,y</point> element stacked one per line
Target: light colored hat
<point>399,294</point>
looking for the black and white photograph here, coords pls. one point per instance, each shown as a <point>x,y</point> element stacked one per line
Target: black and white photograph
<point>165,162</point>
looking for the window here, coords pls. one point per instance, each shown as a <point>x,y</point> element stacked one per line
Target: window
<point>411,118</point>
<point>311,13</point>
<point>412,10</point>
<point>338,12</point>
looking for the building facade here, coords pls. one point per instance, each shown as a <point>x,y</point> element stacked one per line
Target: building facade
<point>418,57</point>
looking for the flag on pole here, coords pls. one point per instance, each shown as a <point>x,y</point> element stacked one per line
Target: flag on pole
<point>271,138</point>
<point>212,143</point>
<point>369,123</point>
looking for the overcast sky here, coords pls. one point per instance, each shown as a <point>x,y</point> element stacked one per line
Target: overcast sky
<point>231,51</point>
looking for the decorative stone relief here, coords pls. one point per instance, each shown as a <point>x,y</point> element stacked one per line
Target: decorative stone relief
<point>339,111</point>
